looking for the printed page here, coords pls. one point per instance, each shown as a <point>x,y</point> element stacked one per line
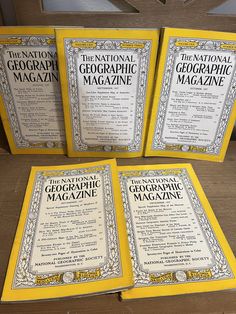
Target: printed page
<point>71,235</point>
<point>71,229</point>
<point>31,92</point>
<point>107,83</point>
<point>195,96</point>
<point>171,239</point>
<point>199,86</point>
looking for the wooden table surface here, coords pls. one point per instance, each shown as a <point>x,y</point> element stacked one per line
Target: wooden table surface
<point>218,181</point>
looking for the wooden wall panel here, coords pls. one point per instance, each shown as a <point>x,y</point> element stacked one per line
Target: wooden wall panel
<point>1,18</point>
<point>151,13</point>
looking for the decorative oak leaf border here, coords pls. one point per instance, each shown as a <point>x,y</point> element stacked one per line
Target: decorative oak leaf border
<point>25,278</point>
<point>9,102</point>
<point>219,270</point>
<point>173,50</point>
<point>71,53</point>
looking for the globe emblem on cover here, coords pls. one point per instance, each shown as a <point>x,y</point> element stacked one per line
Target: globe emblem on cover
<point>68,277</point>
<point>185,148</point>
<point>209,44</point>
<point>34,41</point>
<point>180,275</point>
<point>108,44</point>
<point>50,144</point>
<point>107,148</point>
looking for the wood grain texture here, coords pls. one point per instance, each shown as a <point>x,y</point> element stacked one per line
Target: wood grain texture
<point>1,18</point>
<point>151,14</point>
<point>4,147</point>
<point>219,183</point>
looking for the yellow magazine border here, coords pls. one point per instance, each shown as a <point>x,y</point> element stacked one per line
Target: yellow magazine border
<point>109,34</point>
<point>177,32</point>
<point>24,30</point>
<point>186,288</point>
<point>80,289</point>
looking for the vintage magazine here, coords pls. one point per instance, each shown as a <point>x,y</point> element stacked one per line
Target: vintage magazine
<point>176,243</point>
<point>71,238</point>
<point>107,79</point>
<point>194,106</point>
<point>30,102</point>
